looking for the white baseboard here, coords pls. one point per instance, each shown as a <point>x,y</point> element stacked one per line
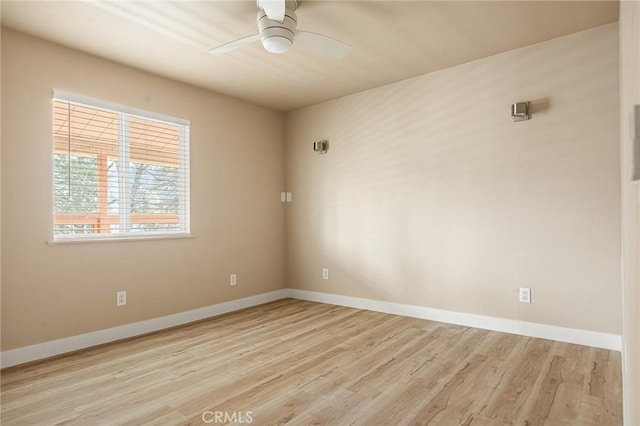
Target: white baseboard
<point>68,344</point>
<point>523,328</point>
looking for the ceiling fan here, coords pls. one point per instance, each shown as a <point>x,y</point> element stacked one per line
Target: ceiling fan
<point>277,25</point>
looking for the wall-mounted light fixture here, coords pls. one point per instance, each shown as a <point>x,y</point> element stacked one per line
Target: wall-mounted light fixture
<point>321,147</point>
<point>520,111</point>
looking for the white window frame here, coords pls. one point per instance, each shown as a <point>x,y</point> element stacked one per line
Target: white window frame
<point>124,212</point>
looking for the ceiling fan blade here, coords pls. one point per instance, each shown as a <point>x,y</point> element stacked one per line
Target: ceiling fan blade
<point>322,44</point>
<point>274,9</point>
<point>233,45</point>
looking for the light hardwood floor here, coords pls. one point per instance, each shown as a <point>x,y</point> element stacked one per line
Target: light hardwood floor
<point>299,363</point>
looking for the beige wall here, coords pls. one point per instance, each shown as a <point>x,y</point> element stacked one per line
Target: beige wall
<point>630,95</point>
<point>54,291</point>
<point>430,195</point>
<point>0,187</point>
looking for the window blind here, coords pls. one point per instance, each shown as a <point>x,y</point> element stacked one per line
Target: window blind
<point>118,172</point>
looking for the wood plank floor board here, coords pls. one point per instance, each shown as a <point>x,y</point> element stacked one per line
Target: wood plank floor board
<point>163,416</point>
<point>300,363</point>
<point>517,384</point>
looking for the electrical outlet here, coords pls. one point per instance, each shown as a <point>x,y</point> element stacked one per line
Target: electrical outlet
<point>524,295</point>
<point>121,298</point>
<point>233,280</point>
<point>325,273</point>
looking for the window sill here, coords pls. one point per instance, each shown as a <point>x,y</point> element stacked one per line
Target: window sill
<point>118,239</point>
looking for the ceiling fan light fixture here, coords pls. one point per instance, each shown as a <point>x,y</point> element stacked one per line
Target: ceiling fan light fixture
<point>277,35</point>
<point>277,44</point>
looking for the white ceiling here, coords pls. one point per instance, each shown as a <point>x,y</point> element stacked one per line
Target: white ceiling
<point>391,40</point>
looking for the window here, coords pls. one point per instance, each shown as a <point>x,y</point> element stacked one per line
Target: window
<point>117,172</point>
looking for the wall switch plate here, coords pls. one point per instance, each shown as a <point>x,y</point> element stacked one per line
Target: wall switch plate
<point>233,280</point>
<point>283,197</point>
<point>121,298</point>
<point>524,295</point>
<point>289,196</point>
<point>325,273</point>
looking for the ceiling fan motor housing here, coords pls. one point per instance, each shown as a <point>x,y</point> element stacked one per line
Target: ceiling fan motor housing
<point>277,37</point>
